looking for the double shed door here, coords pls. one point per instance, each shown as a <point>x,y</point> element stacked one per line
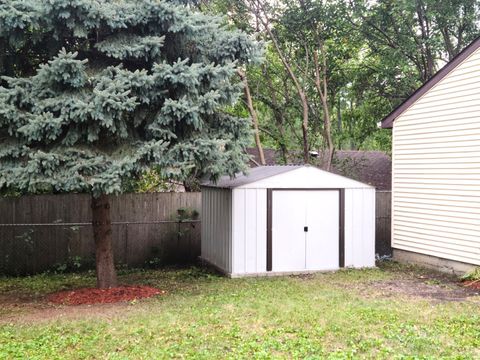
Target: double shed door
<point>305,230</point>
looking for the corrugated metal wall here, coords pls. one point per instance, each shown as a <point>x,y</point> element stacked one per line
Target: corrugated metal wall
<point>217,229</point>
<point>359,227</point>
<point>436,169</point>
<point>249,231</point>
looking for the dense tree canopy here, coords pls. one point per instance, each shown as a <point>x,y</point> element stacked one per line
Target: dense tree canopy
<point>96,91</point>
<point>376,54</point>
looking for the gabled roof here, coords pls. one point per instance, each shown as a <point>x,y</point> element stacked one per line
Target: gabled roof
<point>366,166</point>
<point>253,175</point>
<point>287,177</point>
<point>387,122</point>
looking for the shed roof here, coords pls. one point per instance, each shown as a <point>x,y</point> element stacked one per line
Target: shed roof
<point>253,175</point>
<point>287,176</point>
<point>369,167</point>
<point>387,122</point>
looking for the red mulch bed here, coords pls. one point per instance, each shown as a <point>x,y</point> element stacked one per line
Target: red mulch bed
<point>472,284</point>
<point>103,296</point>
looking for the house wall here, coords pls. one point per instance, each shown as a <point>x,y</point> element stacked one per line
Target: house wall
<point>217,227</point>
<point>436,169</point>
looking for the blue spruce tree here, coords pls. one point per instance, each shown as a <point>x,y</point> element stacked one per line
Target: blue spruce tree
<point>94,92</point>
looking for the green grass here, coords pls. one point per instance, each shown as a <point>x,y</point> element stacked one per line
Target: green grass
<point>337,315</point>
<point>473,275</point>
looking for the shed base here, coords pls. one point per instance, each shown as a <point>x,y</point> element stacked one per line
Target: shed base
<point>432,262</point>
<point>270,273</point>
<point>280,273</point>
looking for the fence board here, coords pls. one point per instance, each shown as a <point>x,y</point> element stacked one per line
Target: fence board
<point>383,221</point>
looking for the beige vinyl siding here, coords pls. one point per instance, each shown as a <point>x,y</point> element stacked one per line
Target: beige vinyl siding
<point>436,169</point>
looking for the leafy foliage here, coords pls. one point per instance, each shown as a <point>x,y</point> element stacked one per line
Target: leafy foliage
<point>99,91</point>
<point>473,275</point>
<point>378,53</point>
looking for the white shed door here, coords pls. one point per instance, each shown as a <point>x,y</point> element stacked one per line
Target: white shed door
<point>293,212</point>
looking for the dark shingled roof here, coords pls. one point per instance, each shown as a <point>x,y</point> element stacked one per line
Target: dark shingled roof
<point>387,122</point>
<point>254,174</point>
<point>369,167</point>
<point>269,154</point>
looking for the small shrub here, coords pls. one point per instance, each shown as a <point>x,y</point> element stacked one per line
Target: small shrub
<point>154,263</point>
<point>473,275</point>
<point>187,214</point>
<point>74,264</point>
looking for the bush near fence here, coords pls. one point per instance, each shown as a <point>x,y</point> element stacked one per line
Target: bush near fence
<point>54,232</point>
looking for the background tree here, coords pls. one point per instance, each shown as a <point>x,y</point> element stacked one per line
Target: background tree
<point>415,38</point>
<point>376,53</point>
<point>97,92</point>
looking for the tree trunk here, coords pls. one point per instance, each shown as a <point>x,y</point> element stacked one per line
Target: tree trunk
<point>322,88</point>
<point>278,114</point>
<point>328,136</point>
<point>253,114</point>
<point>303,98</point>
<point>255,7</point>
<point>102,234</point>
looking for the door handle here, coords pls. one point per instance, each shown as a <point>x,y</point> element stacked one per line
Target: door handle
<point>305,228</point>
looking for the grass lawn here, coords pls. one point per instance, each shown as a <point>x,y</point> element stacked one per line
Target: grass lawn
<point>390,312</point>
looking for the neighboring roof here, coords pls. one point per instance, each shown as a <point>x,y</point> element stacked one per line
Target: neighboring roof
<point>254,174</point>
<point>387,122</point>
<point>369,167</point>
<point>269,154</point>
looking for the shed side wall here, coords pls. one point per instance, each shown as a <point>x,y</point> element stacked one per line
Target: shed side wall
<point>436,169</point>
<point>217,227</point>
<point>359,227</point>
<point>249,218</point>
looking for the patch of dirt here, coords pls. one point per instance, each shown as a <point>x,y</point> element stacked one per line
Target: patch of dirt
<point>29,308</point>
<point>103,296</point>
<point>425,289</point>
<point>475,284</point>
<point>29,313</point>
<point>305,276</point>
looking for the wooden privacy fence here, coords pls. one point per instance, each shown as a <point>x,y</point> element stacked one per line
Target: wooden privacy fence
<point>383,220</point>
<point>52,231</point>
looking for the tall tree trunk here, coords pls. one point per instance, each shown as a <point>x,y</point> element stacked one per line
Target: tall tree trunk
<point>102,234</point>
<point>278,114</point>
<point>253,114</point>
<point>339,122</point>
<point>427,55</point>
<point>257,8</point>
<point>301,94</point>
<point>322,88</point>
<point>328,135</point>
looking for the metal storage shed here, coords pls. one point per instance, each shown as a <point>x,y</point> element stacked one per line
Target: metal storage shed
<point>287,219</point>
